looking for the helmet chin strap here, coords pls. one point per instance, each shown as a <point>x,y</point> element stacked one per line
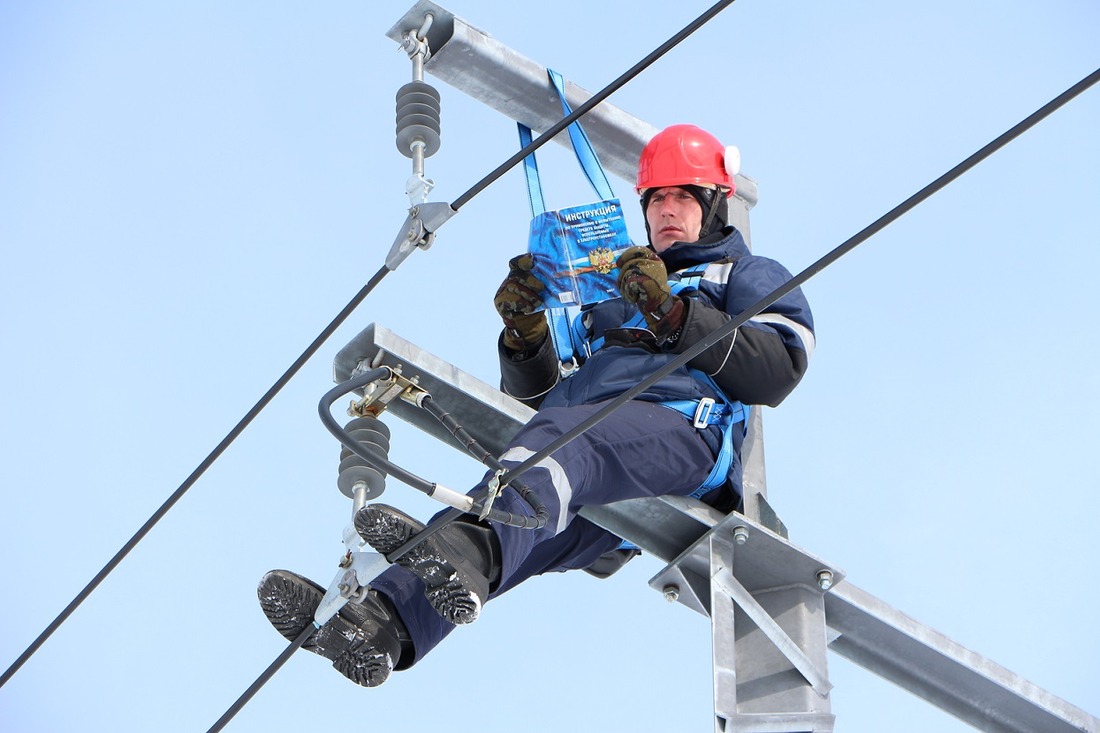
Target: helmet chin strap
<point>711,214</point>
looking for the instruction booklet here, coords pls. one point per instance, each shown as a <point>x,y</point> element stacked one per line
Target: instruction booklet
<point>575,250</point>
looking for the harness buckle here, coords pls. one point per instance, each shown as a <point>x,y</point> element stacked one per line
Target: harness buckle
<point>702,412</point>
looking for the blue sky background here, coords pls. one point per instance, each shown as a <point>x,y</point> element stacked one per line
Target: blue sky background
<point>189,192</point>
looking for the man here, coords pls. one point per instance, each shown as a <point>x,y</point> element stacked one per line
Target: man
<point>681,436</point>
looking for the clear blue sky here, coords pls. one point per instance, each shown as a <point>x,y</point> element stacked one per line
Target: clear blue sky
<point>189,192</point>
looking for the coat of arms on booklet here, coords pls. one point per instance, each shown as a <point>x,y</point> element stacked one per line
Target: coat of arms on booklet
<point>575,250</point>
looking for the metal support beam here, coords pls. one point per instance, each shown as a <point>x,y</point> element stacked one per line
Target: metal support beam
<point>923,661</point>
<point>677,530</point>
<point>764,599</point>
<point>475,63</point>
<point>769,643</point>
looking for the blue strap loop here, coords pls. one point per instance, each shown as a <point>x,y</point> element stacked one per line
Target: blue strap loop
<point>568,333</point>
<point>704,413</point>
<point>565,325</point>
<point>531,174</point>
<point>710,412</point>
<point>582,149</point>
<point>582,146</point>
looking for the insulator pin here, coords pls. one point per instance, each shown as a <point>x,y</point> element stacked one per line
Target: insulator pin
<point>417,118</point>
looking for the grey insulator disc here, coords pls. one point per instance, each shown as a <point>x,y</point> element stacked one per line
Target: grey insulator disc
<point>353,474</point>
<point>370,438</point>
<point>373,435</point>
<point>417,118</point>
<point>368,423</point>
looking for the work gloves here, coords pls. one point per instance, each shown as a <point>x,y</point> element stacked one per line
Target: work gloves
<point>643,282</point>
<point>519,303</point>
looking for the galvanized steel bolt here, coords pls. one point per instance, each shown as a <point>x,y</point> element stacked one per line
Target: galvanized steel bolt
<point>740,534</point>
<point>825,579</point>
<point>672,592</point>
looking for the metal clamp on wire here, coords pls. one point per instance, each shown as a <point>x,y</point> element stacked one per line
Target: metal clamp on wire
<point>418,231</point>
<point>381,392</point>
<point>358,569</point>
<point>703,412</point>
<point>494,489</point>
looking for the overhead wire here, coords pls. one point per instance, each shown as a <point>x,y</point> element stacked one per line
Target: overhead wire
<point>275,666</point>
<point>220,448</point>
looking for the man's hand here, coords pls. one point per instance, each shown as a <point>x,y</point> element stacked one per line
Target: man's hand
<point>519,302</point>
<point>643,282</point>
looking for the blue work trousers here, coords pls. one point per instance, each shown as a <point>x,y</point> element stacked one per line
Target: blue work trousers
<point>642,449</point>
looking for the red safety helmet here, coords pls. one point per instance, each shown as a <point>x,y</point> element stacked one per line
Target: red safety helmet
<point>684,155</point>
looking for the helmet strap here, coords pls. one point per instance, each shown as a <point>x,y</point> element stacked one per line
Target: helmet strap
<point>712,213</point>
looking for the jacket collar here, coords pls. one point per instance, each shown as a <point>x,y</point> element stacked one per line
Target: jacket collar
<point>725,244</point>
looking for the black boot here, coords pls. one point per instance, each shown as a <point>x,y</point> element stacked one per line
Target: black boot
<point>364,640</point>
<point>458,564</point>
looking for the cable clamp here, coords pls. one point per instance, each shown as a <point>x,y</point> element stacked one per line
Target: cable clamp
<point>380,393</point>
<point>418,231</point>
<point>357,569</point>
<point>415,42</point>
<point>494,491</point>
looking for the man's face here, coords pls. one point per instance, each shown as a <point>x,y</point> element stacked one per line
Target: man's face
<point>673,215</point>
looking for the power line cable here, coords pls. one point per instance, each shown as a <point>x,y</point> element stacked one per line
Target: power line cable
<point>195,475</point>
<point>263,678</point>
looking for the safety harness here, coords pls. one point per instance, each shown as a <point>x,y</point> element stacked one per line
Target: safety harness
<point>707,411</point>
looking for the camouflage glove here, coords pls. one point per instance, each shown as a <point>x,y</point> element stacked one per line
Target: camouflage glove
<point>643,282</point>
<point>519,303</point>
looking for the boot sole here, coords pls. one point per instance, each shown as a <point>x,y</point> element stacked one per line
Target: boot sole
<point>449,585</point>
<point>289,601</point>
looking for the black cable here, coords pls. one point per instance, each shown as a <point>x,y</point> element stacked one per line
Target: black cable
<point>542,514</point>
<point>268,673</point>
<point>844,248</point>
<point>387,467</point>
<point>583,109</point>
<point>324,411</point>
<point>196,474</point>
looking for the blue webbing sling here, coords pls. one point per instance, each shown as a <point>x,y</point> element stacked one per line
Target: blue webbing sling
<point>561,319</point>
